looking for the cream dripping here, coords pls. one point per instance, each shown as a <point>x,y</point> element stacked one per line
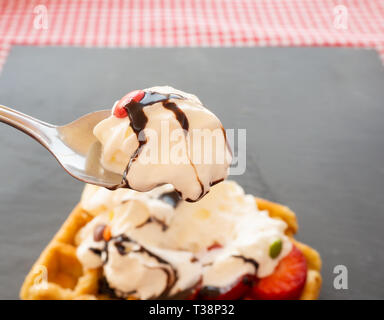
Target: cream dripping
<point>157,136</point>
<point>159,244</point>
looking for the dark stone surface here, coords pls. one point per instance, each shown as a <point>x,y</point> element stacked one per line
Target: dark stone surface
<point>315,141</point>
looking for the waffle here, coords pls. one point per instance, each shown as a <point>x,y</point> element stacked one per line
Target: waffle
<point>58,275</point>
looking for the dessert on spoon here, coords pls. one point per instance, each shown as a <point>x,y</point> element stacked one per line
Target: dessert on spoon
<point>108,148</point>
<point>157,136</point>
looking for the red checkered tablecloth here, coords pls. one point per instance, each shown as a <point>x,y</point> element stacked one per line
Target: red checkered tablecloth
<point>167,23</point>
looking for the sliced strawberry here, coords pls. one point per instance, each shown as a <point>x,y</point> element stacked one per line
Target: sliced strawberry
<point>234,291</point>
<point>287,281</point>
<point>119,110</point>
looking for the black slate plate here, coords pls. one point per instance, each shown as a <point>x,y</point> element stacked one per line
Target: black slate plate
<point>314,120</point>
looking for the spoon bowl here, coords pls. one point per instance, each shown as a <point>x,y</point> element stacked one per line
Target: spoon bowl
<point>73,145</point>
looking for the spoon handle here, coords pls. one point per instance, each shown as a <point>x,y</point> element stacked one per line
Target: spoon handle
<point>35,128</point>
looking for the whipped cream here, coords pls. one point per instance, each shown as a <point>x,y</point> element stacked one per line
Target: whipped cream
<point>161,135</point>
<point>160,247</point>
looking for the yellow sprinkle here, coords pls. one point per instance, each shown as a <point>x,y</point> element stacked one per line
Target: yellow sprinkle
<point>128,132</point>
<point>202,214</point>
<point>223,207</point>
<point>114,156</point>
<point>110,215</point>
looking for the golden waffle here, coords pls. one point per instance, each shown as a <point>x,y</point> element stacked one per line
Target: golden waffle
<point>58,275</point>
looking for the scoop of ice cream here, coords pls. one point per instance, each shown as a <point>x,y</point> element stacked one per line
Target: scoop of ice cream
<point>150,231</point>
<point>162,135</point>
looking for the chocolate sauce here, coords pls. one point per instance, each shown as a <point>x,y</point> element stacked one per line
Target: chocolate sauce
<point>172,198</point>
<point>202,193</point>
<point>183,120</point>
<point>96,251</point>
<point>138,121</point>
<point>104,288</point>
<point>170,272</point>
<point>226,141</point>
<point>172,277</point>
<point>99,252</point>
<point>163,225</point>
<point>168,269</point>
<point>249,260</point>
<point>120,248</point>
<point>216,182</point>
<point>179,114</point>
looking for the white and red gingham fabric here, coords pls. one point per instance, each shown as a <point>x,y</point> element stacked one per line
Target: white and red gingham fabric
<point>167,23</point>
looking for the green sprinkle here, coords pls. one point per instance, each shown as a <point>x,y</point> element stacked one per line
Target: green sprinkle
<point>275,248</point>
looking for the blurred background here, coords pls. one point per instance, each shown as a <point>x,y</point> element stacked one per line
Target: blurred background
<point>305,78</point>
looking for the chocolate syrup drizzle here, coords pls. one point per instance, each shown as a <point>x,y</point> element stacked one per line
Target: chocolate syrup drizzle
<point>249,260</point>
<point>163,225</point>
<point>172,276</point>
<point>180,115</point>
<point>172,198</point>
<point>105,288</point>
<point>138,121</point>
<point>96,251</point>
<point>170,272</point>
<point>183,120</point>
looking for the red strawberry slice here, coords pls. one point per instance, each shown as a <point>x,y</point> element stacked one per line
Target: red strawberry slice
<point>234,291</point>
<point>287,281</point>
<point>136,96</point>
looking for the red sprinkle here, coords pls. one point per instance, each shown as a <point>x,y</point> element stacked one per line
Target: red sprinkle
<point>214,246</point>
<point>136,96</point>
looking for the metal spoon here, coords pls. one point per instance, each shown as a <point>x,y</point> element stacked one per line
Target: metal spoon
<point>74,146</point>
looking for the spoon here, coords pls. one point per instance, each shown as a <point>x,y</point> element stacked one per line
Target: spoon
<point>73,145</point>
